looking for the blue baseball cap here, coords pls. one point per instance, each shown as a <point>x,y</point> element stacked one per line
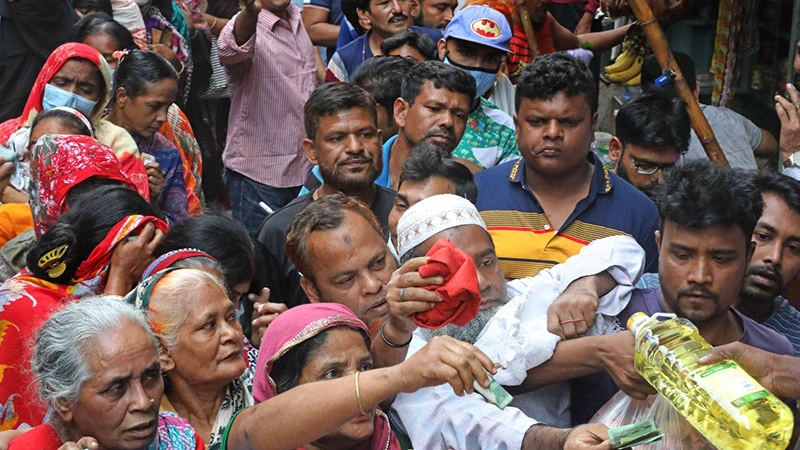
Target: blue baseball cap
<point>482,25</point>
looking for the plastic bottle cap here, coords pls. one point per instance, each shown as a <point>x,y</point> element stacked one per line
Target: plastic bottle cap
<point>636,319</point>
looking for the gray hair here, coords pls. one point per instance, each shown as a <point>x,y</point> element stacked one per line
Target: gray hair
<point>168,310</point>
<point>59,352</point>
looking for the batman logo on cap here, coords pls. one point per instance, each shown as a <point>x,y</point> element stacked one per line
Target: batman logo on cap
<point>486,28</point>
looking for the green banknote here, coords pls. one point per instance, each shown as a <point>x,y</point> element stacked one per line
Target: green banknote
<point>494,394</point>
<point>634,434</point>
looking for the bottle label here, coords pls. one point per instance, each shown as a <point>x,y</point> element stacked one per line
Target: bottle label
<point>739,388</point>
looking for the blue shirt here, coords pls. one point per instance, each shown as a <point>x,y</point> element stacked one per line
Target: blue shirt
<point>382,180</point>
<point>346,59</point>
<point>786,321</point>
<point>525,241</point>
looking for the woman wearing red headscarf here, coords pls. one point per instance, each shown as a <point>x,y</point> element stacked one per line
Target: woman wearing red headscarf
<point>76,75</point>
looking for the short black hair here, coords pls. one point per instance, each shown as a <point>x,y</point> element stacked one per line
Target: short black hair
<point>654,120</point>
<point>787,188</point>
<point>222,237</point>
<point>699,194</point>
<point>441,75</point>
<point>92,24</point>
<point>553,74</point>
<point>419,41</point>
<point>651,70</point>
<point>428,160</point>
<point>103,6</point>
<point>66,118</point>
<point>382,77</point>
<point>349,9</point>
<point>139,68</point>
<point>333,98</point>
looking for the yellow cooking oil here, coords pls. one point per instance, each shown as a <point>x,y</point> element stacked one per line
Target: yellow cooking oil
<point>725,404</point>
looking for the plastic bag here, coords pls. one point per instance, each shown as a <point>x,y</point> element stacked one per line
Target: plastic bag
<point>678,433</point>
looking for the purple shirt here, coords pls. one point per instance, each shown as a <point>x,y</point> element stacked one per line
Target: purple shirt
<point>591,392</point>
<point>270,77</point>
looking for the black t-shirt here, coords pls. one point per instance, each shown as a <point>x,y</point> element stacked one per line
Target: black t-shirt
<point>279,272</point>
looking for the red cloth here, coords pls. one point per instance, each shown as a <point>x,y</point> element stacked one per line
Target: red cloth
<point>460,292</point>
<point>42,437</point>
<point>26,302</point>
<point>522,55</point>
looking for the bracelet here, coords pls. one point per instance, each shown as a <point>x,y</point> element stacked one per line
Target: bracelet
<point>183,67</point>
<point>358,395</point>
<point>211,27</point>
<point>392,344</point>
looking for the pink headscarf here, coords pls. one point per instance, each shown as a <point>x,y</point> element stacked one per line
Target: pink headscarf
<point>297,325</point>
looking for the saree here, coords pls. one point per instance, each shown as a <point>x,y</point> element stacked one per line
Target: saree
<point>59,163</point>
<point>298,325</point>
<point>107,133</point>
<point>26,302</point>
<point>162,31</point>
<point>178,131</point>
<point>172,201</point>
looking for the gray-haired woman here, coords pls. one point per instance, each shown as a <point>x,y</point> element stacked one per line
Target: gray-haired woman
<point>97,368</point>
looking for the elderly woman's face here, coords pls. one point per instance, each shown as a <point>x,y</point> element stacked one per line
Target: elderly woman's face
<point>210,340</point>
<point>119,405</point>
<point>343,353</point>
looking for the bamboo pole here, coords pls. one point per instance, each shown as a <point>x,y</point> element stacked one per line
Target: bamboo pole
<point>655,36</point>
<point>525,18</point>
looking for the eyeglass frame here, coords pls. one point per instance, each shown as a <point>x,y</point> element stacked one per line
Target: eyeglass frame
<point>637,164</point>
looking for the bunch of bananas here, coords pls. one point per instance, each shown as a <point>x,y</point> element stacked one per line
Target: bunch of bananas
<point>627,68</point>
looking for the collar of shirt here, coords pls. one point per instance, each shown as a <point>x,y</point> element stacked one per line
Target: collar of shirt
<point>601,179</point>
<point>269,19</point>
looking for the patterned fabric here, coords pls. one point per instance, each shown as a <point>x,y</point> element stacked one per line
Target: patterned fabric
<point>733,17</point>
<point>156,23</point>
<point>175,433</point>
<point>784,320</point>
<point>172,201</point>
<point>178,131</point>
<point>139,297</point>
<point>490,137</point>
<point>238,397</point>
<point>58,163</point>
<point>298,325</point>
<point>270,77</point>
<point>105,132</point>
<point>26,302</point>
<point>127,13</point>
<point>521,53</point>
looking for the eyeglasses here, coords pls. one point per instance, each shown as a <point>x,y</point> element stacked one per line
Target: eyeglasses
<point>648,168</point>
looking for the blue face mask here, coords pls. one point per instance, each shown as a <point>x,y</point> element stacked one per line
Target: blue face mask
<point>55,97</point>
<point>483,79</point>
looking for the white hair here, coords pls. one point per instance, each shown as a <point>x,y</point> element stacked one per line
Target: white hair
<point>59,353</point>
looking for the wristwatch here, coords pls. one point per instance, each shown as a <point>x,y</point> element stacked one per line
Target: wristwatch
<point>792,160</point>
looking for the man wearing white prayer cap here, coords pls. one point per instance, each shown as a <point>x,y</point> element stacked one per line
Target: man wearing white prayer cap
<point>511,327</point>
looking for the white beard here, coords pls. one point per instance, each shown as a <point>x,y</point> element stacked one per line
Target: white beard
<point>469,332</point>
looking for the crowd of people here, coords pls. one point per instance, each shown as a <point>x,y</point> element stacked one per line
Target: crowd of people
<point>233,224</point>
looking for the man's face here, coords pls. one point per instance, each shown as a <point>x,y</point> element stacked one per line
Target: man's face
<point>412,192</point>
<point>471,55</point>
<point>350,265</point>
<point>701,271</point>
<point>438,116</point>
<point>633,158</point>
<point>388,17</point>
<point>408,51</point>
<point>776,258</point>
<point>554,135</point>
<point>347,149</point>
<point>436,13</point>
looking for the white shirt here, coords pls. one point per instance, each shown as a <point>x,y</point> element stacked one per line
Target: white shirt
<point>435,418</point>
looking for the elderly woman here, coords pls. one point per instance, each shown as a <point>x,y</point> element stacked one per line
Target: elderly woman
<point>101,245</point>
<point>208,380</point>
<point>96,365</point>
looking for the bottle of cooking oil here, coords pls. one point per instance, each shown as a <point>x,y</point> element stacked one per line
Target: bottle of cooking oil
<point>725,404</point>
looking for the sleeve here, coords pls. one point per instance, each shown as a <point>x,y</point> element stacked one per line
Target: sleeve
<point>517,336</point>
<point>336,71</point>
<point>231,54</point>
<point>751,130</point>
<point>318,4</point>
<point>591,6</point>
<point>436,418</point>
<point>793,172</point>
<point>346,34</point>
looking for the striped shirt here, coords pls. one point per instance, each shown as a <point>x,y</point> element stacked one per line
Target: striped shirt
<point>527,243</point>
<point>785,320</point>
<point>270,78</point>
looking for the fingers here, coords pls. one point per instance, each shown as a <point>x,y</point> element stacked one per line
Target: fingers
<point>553,322</point>
<point>147,234</point>
<point>261,298</point>
<point>723,352</point>
<point>156,240</point>
<point>83,443</point>
<point>412,265</point>
<point>787,112</point>
<point>413,279</point>
<point>793,94</point>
